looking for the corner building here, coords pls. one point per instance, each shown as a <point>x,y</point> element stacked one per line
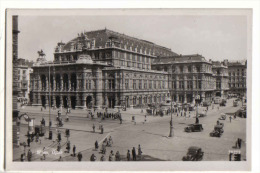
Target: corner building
<point>189,76</point>
<point>100,68</point>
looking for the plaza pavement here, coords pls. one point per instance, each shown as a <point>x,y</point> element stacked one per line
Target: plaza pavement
<point>152,135</point>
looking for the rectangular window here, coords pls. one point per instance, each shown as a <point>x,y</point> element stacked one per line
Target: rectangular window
<point>154,84</point>
<point>139,65</point>
<point>24,71</point>
<point>138,58</point>
<point>150,84</point>
<point>145,84</point>
<point>140,84</point>
<point>134,84</point>
<point>126,83</point>
<point>128,64</point>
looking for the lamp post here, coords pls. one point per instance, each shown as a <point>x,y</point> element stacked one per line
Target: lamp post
<point>171,127</point>
<point>50,132</point>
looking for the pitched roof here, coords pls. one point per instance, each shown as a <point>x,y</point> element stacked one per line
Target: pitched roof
<point>102,36</point>
<point>180,59</point>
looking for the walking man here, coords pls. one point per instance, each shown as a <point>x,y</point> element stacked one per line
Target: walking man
<point>28,141</point>
<point>79,156</point>
<point>93,128</point>
<point>74,150</point>
<point>140,152</point>
<point>230,118</point>
<point>134,154</point>
<point>96,145</point>
<point>29,155</point>
<point>128,155</point>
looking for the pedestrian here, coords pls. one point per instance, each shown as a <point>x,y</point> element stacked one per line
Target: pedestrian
<point>145,118</point>
<point>102,158</point>
<point>74,150</point>
<point>79,156</point>
<point>110,158</point>
<point>181,113</point>
<point>134,154</point>
<point>37,137</point>
<point>197,120</point>
<point>29,155</point>
<point>96,145</point>
<point>60,159</point>
<point>43,121</point>
<point>230,118</point>
<point>59,136</point>
<point>140,151</point>
<point>207,108</point>
<point>93,128</point>
<point>117,156</point>
<point>28,141</point>
<point>128,155</point>
<point>189,114</point>
<point>110,140</point>
<point>120,120</point>
<point>93,158</point>
<point>43,153</point>
<point>68,147</point>
<point>102,129</point>
<point>22,157</point>
<point>58,147</point>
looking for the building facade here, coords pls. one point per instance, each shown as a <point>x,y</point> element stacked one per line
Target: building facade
<point>189,76</point>
<point>237,78</point>
<point>100,68</point>
<point>24,71</point>
<point>220,72</point>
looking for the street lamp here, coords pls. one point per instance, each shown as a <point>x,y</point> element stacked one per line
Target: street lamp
<point>171,127</point>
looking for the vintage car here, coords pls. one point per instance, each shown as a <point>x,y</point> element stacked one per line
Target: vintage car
<point>235,103</point>
<point>194,154</point>
<point>223,102</point>
<point>217,132</point>
<point>193,128</point>
<point>223,116</point>
<point>202,114</point>
<point>206,103</point>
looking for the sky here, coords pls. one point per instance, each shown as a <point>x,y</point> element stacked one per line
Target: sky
<point>216,37</point>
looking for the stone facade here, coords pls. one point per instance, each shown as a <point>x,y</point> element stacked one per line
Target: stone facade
<point>237,77</point>
<point>100,68</point>
<point>190,75</point>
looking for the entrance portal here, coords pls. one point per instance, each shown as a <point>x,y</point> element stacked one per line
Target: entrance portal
<point>43,100</point>
<point>65,101</point>
<point>111,102</point>
<point>73,102</point>
<point>58,101</point>
<point>89,102</point>
<point>218,94</point>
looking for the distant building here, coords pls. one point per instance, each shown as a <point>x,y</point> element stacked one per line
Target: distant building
<point>100,68</point>
<point>220,72</point>
<point>189,76</point>
<point>237,77</point>
<point>15,70</point>
<point>24,71</point>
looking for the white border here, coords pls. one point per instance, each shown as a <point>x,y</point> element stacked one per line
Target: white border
<point>155,4</point>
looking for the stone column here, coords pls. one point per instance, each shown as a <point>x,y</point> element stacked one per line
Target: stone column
<point>61,83</point>
<point>69,101</point>
<point>185,97</point>
<point>84,101</point>
<point>69,83</point>
<point>54,100</point>
<point>61,100</point>
<point>177,97</point>
<point>185,82</point>
<point>54,84</point>
<point>47,100</point>
<point>47,84</point>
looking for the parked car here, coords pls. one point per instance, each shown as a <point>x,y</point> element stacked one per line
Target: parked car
<point>193,128</point>
<point>202,114</point>
<point>217,100</point>
<point>217,132</point>
<point>223,117</point>
<point>235,103</point>
<point>206,103</point>
<point>194,154</point>
<point>223,102</point>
